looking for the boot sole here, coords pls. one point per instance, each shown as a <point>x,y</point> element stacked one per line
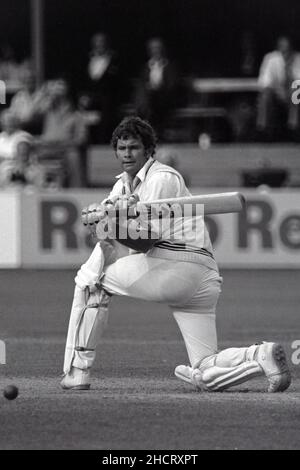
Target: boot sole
<point>284,376</point>
<point>77,387</point>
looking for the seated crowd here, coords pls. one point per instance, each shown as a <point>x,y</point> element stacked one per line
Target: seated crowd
<point>56,129</point>
<point>43,129</point>
<point>45,132</point>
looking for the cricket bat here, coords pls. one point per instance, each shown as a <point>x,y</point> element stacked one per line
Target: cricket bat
<point>189,206</point>
<point>219,203</point>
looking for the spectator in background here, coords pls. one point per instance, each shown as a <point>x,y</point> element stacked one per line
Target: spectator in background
<point>248,55</point>
<point>275,108</point>
<point>156,90</point>
<point>29,104</point>
<point>15,152</point>
<point>102,86</point>
<point>11,135</point>
<point>9,67</point>
<point>12,71</point>
<point>64,132</point>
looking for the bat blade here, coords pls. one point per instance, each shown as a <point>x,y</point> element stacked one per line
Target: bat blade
<point>219,203</point>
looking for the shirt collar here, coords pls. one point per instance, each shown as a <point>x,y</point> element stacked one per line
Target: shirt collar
<point>141,174</point>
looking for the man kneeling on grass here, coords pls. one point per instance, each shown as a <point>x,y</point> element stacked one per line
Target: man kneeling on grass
<point>177,268</point>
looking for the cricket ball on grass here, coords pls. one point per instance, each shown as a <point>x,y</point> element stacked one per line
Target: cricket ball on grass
<point>11,392</point>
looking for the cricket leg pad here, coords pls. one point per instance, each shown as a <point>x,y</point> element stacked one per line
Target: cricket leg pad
<point>90,329</point>
<point>88,321</point>
<point>90,272</point>
<point>217,379</point>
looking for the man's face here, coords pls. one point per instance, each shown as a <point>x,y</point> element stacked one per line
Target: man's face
<point>131,154</point>
<point>8,123</point>
<point>284,46</point>
<point>99,44</point>
<point>60,88</point>
<point>155,49</point>
<point>29,81</point>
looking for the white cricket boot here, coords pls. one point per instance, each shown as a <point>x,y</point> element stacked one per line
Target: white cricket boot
<point>76,379</point>
<point>190,375</point>
<point>272,359</point>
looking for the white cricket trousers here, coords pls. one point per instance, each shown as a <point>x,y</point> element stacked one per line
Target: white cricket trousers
<point>190,289</point>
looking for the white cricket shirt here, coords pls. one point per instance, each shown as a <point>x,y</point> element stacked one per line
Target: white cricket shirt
<point>182,243</point>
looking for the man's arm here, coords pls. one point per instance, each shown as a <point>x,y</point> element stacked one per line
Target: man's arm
<point>141,233</point>
<point>97,211</point>
<point>265,73</point>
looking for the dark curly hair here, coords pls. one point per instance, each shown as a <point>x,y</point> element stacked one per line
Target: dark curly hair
<point>137,128</point>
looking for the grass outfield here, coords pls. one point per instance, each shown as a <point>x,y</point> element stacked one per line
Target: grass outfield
<point>136,402</point>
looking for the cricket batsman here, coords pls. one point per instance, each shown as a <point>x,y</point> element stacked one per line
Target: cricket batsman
<point>177,267</point>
